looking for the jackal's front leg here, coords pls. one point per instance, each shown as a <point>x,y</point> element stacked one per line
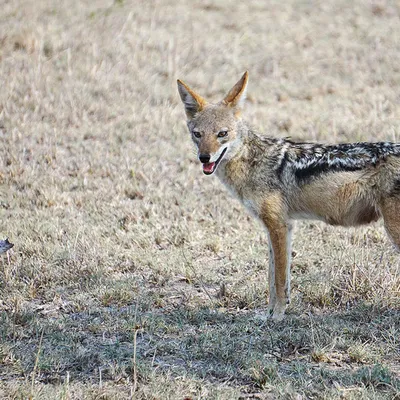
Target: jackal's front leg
<point>279,229</point>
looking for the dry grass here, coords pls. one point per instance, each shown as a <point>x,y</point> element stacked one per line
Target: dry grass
<point>140,272</point>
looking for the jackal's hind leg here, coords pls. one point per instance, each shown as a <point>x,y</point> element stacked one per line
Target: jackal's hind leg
<point>390,209</point>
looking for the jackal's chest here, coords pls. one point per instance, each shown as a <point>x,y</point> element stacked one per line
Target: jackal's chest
<point>250,202</point>
<point>237,178</point>
<point>245,194</point>
<point>235,185</point>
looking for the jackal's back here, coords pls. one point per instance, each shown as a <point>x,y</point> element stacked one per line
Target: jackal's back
<point>307,160</point>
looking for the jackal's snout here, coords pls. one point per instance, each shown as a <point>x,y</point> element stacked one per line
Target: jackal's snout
<point>204,158</point>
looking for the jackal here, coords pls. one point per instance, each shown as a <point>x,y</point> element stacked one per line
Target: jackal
<point>279,180</point>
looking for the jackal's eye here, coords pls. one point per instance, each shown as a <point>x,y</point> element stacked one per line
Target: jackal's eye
<point>222,133</point>
<point>197,134</point>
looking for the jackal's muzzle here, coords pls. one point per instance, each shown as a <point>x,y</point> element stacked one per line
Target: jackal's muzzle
<point>210,167</point>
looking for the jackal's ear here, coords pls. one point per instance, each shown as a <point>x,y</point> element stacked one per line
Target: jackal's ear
<point>237,95</point>
<point>192,101</point>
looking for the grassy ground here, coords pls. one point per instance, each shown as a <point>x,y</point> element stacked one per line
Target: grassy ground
<point>135,276</point>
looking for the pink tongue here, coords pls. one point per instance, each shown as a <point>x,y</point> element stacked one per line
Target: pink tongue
<point>208,167</point>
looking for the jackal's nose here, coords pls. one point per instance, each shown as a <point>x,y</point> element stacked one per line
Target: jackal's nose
<point>204,158</point>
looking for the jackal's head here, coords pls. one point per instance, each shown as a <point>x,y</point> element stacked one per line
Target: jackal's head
<point>215,128</point>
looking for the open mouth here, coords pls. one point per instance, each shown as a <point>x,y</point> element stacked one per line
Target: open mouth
<point>209,168</point>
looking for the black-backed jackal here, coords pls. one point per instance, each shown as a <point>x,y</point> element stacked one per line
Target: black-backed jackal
<point>279,180</point>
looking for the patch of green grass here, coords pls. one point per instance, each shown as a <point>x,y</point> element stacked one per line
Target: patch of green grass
<point>379,377</point>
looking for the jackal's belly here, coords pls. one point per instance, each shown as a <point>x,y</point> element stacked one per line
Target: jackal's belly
<point>334,214</point>
<point>342,198</point>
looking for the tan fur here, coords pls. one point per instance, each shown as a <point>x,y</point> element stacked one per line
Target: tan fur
<point>197,98</point>
<point>279,181</point>
<point>209,145</point>
<point>235,94</point>
<point>343,199</point>
<point>390,208</point>
<point>273,215</point>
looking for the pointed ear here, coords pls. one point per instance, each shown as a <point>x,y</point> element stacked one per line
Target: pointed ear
<point>192,101</point>
<point>237,95</point>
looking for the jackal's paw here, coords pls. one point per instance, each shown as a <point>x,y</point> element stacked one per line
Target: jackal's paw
<point>277,313</point>
<point>278,316</point>
<point>274,312</point>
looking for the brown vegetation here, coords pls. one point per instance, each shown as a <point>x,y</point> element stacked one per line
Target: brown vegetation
<point>132,273</point>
